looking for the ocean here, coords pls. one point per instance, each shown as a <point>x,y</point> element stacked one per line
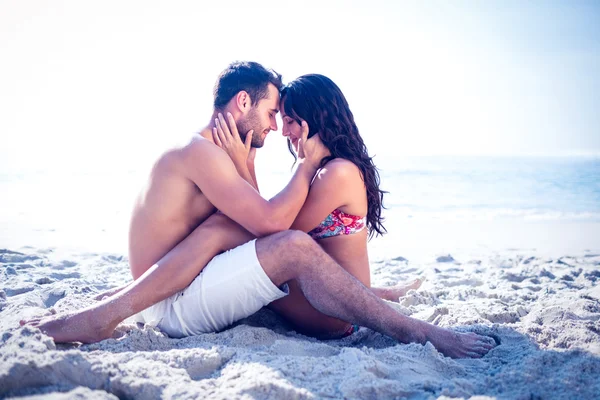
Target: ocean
<point>490,187</point>
<point>90,209</point>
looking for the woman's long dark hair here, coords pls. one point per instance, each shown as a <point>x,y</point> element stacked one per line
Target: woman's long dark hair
<point>318,101</point>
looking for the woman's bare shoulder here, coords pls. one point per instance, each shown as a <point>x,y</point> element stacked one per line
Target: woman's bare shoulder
<point>340,168</point>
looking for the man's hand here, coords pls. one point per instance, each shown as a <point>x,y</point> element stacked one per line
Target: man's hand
<point>311,150</point>
<point>226,136</point>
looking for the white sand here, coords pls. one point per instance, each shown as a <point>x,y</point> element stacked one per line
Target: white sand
<point>544,311</point>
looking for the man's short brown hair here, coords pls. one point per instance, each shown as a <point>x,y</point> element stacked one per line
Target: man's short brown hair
<point>248,76</point>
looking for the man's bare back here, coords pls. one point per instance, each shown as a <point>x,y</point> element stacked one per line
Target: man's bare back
<point>169,207</point>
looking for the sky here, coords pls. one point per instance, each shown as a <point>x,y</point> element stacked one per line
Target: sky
<point>108,85</point>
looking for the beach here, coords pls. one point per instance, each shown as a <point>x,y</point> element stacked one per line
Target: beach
<point>543,311</point>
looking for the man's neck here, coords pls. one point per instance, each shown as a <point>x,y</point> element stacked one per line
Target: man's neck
<point>207,132</point>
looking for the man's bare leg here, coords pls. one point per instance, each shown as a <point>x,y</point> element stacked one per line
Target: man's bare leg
<point>334,292</point>
<point>298,311</point>
<point>173,273</point>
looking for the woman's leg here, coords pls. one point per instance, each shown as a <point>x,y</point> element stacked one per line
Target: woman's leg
<point>306,319</point>
<point>174,272</point>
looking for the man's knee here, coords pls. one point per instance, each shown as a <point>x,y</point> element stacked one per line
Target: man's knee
<point>298,238</point>
<point>291,242</point>
<point>285,253</point>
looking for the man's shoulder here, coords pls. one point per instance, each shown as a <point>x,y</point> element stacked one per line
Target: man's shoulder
<point>200,157</point>
<point>194,151</point>
<point>199,147</point>
<point>176,156</point>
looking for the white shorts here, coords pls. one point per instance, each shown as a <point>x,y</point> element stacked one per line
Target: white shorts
<point>231,287</point>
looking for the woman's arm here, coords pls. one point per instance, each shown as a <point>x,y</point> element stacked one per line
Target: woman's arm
<point>338,184</point>
<point>251,167</point>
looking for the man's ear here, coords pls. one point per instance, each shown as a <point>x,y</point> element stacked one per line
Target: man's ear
<point>242,101</point>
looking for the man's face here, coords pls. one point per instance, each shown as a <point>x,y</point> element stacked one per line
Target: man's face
<point>260,118</point>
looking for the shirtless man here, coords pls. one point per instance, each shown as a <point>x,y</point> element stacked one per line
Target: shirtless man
<point>175,211</point>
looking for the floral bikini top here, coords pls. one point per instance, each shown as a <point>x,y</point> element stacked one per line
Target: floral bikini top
<point>338,223</point>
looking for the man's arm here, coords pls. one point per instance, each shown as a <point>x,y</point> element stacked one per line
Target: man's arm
<point>248,175</point>
<point>213,172</point>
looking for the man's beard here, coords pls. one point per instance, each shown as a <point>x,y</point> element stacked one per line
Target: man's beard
<point>251,122</point>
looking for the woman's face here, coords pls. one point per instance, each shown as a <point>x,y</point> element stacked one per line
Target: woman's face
<point>291,129</point>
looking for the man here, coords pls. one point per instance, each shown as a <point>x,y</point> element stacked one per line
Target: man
<point>175,211</point>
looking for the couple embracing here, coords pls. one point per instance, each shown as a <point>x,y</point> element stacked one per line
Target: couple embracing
<point>206,250</point>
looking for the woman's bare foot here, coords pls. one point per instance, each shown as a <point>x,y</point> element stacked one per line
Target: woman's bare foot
<point>460,345</point>
<point>85,326</point>
<point>393,293</point>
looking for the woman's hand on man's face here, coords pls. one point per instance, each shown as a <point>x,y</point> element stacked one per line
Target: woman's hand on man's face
<point>251,157</point>
<point>226,136</point>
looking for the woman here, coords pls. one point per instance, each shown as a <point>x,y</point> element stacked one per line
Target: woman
<point>343,207</point>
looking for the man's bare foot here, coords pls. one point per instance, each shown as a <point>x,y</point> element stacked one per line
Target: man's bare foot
<point>85,326</point>
<point>460,345</point>
<point>393,293</point>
